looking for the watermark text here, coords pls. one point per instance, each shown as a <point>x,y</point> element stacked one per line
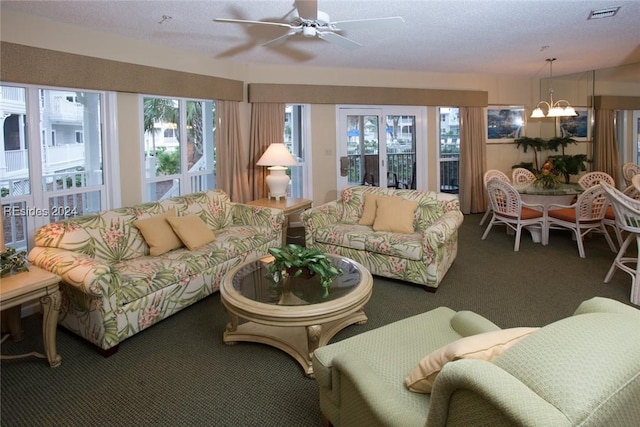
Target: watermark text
<point>55,211</point>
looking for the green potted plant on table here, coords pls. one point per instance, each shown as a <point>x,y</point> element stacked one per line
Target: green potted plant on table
<point>563,164</point>
<point>12,261</point>
<point>299,261</point>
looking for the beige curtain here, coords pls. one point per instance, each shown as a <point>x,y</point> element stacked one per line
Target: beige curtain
<point>605,158</point>
<point>231,163</point>
<point>267,127</point>
<point>473,159</point>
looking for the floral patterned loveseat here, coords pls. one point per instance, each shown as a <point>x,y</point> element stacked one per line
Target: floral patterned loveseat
<point>421,257</point>
<point>112,288</point>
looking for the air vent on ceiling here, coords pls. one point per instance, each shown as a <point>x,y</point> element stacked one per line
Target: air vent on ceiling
<point>603,13</point>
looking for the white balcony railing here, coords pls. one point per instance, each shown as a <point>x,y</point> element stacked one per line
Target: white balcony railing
<point>62,157</point>
<point>16,160</point>
<point>53,159</point>
<point>8,93</point>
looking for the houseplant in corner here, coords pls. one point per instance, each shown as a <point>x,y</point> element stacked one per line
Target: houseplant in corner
<point>299,261</point>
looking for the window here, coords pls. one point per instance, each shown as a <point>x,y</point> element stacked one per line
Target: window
<point>449,149</point>
<point>179,146</point>
<point>68,172</point>
<point>294,138</point>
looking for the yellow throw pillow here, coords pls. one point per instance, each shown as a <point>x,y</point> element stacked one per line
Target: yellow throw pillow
<point>486,346</point>
<point>158,234</point>
<point>192,230</point>
<point>394,214</point>
<point>369,209</point>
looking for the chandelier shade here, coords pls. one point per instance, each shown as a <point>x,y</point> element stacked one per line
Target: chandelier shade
<point>560,108</point>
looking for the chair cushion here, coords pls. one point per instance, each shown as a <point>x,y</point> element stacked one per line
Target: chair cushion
<point>528,213</point>
<point>158,233</point>
<point>401,245</point>
<point>345,235</point>
<point>610,213</point>
<point>568,214</point>
<point>485,346</point>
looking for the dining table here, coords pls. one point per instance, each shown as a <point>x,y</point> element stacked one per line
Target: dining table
<point>534,193</point>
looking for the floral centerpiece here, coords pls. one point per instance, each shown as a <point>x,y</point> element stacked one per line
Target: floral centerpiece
<point>547,178</point>
<point>298,261</point>
<point>12,261</point>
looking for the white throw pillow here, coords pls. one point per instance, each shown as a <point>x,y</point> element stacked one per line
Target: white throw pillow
<point>486,346</point>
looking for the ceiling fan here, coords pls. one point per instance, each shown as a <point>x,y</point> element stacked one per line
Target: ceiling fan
<point>306,19</point>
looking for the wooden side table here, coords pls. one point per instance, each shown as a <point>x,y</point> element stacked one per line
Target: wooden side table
<point>24,287</point>
<point>288,206</point>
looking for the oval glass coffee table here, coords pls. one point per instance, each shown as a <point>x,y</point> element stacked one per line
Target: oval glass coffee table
<point>295,316</point>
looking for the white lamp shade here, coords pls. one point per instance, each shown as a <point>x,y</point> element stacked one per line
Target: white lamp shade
<point>537,113</point>
<point>278,158</point>
<point>277,155</point>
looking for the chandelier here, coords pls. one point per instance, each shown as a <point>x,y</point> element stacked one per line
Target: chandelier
<point>560,108</point>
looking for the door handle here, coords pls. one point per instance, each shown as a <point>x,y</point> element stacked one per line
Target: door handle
<point>344,166</point>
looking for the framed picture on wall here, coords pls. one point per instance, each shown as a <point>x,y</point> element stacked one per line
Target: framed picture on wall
<point>575,127</point>
<point>505,123</point>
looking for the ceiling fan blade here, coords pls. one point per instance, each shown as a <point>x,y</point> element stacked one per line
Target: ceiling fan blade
<point>338,39</point>
<point>243,21</point>
<point>280,40</point>
<point>366,23</point>
<point>307,9</point>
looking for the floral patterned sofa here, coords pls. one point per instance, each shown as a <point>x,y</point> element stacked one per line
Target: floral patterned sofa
<point>423,255</point>
<point>113,288</point>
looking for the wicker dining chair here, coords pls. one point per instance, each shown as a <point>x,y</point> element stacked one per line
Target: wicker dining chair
<point>628,217</point>
<point>590,179</point>
<point>629,170</point>
<point>509,209</point>
<point>585,216</point>
<point>488,175</point>
<point>635,182</point>
<point>522,176</point>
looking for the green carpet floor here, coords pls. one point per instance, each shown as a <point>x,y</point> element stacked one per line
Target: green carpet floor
<point>180,373</point>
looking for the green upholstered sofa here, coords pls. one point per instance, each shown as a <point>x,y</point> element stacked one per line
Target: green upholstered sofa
<point>583,370</point>
<point>422,257</point>
<point>112,288</point>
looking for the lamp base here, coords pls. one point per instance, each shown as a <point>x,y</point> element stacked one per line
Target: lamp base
<point>278,182</point>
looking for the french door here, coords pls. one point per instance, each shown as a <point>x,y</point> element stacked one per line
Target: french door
<point>381,146</point>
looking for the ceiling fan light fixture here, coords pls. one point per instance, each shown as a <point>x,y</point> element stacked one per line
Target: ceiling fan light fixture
<point>306,19</point>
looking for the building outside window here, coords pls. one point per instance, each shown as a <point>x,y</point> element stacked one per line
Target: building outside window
<point>52,158</point>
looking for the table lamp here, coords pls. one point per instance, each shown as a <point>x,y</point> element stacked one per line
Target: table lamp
<point>277,157</point>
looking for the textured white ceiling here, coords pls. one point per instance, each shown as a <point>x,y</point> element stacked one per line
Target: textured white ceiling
<point>506,37</point>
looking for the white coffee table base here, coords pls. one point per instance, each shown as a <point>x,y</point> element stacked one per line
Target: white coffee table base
<point>298,341</point>
<point>298,328</point>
